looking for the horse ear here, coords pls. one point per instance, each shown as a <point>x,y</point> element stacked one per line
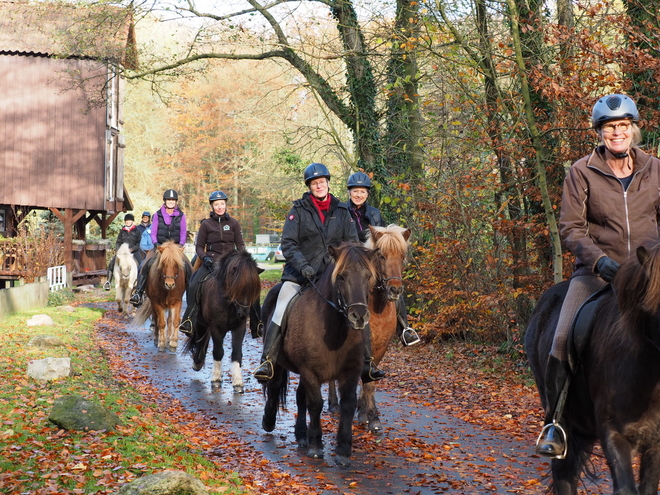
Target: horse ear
<point>260,270</point>
<point>375,235</point>
<point>642,254</point>
<point>406,234</point>
<point>333,252</point>
<point>160,248</point>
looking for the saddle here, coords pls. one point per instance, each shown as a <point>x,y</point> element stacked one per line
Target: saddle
<point>582,327</point>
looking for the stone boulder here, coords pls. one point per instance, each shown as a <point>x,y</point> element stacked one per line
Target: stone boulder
<point>67,308</point>
<point>46,341</point>
<point>73,412</point>
<point>39,320</point>
<point>49,368</point>
<point>164,483</point>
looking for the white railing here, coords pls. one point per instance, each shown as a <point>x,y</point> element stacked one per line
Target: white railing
<point>56,277</point>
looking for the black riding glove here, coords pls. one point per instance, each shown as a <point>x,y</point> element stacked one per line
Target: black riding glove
<point>208,263</point>
<point>308,272</point>
<point>607,268</point>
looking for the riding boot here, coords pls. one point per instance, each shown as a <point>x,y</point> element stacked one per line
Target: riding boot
<point>370,372</point>
<point>552,440</point>
<point>192,308</point>
<point>138,295</point>
<point>111,272</point>
<point>407,334</point>
<point>272,344</point>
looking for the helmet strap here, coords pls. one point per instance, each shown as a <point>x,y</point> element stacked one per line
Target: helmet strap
<point>620,155</point>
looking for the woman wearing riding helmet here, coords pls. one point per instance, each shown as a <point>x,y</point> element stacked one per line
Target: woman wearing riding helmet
<point>218,235</point>
<point>609,208</point>
<point>359,186</point>
<point>315,221</point>
<point>168,224</point>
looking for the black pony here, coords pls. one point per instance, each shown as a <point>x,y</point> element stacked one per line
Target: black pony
<point>226,298</point>
<point>324,341</point>
<point>614,397</point>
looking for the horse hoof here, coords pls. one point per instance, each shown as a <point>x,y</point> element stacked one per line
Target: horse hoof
<point>238,389</point>
<point>376,426</point>
<point>342,461</point>
<point>268,424</point>
<point>161,348</point>
<point>315,453</point>
<point>171,348</point>
<point>216,385</point>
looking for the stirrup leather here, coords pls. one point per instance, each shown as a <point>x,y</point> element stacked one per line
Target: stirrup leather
<point>414,340</point>
<point>562,433</point>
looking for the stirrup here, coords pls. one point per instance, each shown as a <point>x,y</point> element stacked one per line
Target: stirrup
<point>564,439</point>
<point>264,376</point>
<point>413,337</point>
<point>186,329</point>
<point>136,299</point>
<point>106,286</point>
<point>371,373</point>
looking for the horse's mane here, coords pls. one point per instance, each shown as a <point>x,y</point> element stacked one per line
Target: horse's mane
<point>351,254</point>
<point>171,253</point>
<point>124,250</point>
<point>391,243</point>
<point>637,283</point>
<point>237,272</point>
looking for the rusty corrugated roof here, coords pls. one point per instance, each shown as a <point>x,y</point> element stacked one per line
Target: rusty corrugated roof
<point>68,30</point>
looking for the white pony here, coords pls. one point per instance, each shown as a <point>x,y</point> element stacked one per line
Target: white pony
<point>125,273</point>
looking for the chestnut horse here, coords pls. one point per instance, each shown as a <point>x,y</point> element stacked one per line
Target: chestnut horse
<point>165,289</point>
<point>226,297</point>
<point>392,244</point>
<point>324,341</point>
<point>614,394</point>
<point>125,275</point>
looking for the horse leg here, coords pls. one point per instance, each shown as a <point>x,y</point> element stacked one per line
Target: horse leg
<point>218,354</point>
<point>314,403</point>
<point>275,389</point>
<point>173,327</point>
<point>347,404</point>
<point>300,428</point>
<point>159,321</point>
<point>649,471</point>
<point>237,337</point>
<point>618,452</point>
<point>367,409</point>
<point>333,400</point>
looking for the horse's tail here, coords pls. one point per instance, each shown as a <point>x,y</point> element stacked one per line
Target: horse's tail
<point>198,345</point>
<point>142,314</point>
<point>284,386</point>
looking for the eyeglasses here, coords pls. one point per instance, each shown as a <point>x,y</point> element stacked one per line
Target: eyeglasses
<point>610,128</point>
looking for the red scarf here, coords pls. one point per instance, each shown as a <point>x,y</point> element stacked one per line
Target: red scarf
<point>321,205</point>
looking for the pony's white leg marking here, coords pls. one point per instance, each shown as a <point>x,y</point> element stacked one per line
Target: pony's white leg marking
<point>236,375</point>
<point>216,374</point>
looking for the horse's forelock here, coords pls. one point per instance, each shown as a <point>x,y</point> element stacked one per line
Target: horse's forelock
<point>238,273</point>
<point>171,253</point>
<point>391,242</point>
<point>350,256</point>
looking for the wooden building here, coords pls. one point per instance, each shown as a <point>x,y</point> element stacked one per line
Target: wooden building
<point>61,143</point>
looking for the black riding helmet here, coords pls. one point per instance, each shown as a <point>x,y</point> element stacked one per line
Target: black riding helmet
<point>129,216</point>
<point>170,194</point>
<point>216,195</point>
<point>315,171</point>
<point>358,179</point>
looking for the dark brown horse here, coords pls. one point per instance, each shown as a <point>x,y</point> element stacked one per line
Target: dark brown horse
<point>392,244</point>
<point>165,288</point>
<point>226,297</point>
<point>614,396</point>
<point>324,341</point>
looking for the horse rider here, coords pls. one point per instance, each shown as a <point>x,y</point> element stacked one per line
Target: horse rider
<point>218,235</point>
<point>359,187</point>
<point>609,208</point>
<point>130,235</point>
<point>145,223</point>
<point>316,221</point>
<point>168,224</point>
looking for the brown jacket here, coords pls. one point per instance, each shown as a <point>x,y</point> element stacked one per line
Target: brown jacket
<point>598,218</point>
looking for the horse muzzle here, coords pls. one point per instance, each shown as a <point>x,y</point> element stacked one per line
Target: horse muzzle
<point>394,292</point>
<point>358,316</point>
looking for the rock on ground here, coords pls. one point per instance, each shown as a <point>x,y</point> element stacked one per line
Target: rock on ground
<point>164,483</point>
<point>73,412</point>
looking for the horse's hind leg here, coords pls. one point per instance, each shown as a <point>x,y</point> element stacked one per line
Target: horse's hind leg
<point>333,399</point>
<point>566,472</point>
<point>237,337</point>
<point>649,471</point>
<point>273,389</point>
<point>367,409</point>
<point>300,428</point>
<point>173,327</point>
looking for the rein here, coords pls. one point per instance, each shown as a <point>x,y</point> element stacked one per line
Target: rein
<point>341,307</point>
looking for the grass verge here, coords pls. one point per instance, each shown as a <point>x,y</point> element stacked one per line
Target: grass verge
<point>37,458</point>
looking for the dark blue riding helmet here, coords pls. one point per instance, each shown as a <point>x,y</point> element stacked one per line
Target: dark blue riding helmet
<point>216,195</point>
<point>358,179</point>
<point>315,171</point>
<point>146,214</point>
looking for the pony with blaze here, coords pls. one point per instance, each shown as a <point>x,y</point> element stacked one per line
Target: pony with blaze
<point>614,394</point>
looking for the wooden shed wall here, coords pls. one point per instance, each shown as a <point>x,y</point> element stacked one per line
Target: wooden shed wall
<point>52,142</point>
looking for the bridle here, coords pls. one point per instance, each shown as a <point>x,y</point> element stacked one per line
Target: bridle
<point>341,306</point>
